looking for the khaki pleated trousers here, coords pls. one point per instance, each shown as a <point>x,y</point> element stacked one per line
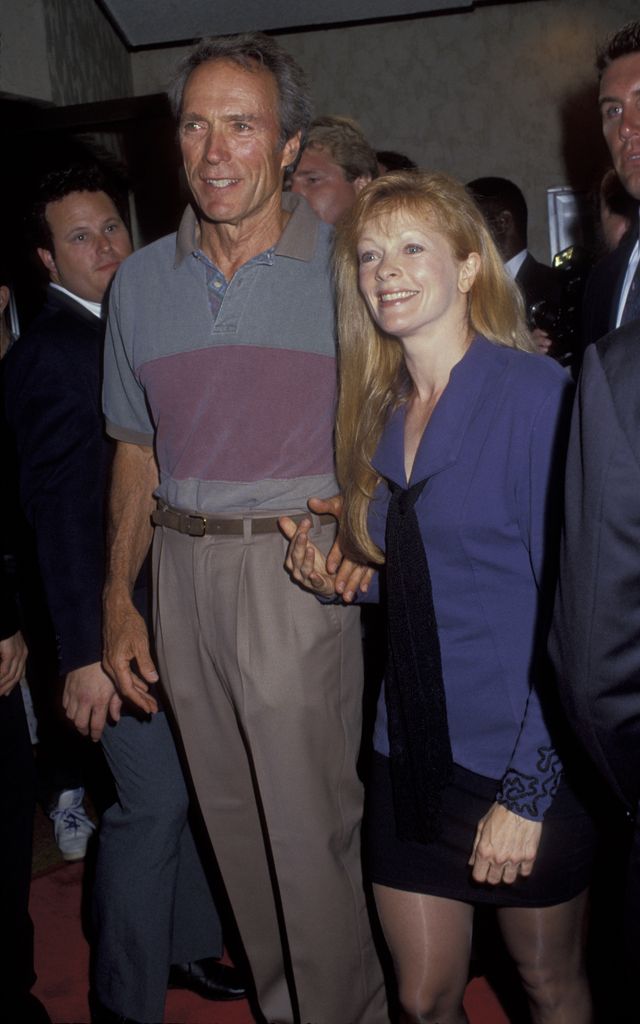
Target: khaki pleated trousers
<point>266,687</point>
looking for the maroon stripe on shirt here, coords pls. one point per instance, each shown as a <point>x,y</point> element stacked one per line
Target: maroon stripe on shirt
<point>241,413</point>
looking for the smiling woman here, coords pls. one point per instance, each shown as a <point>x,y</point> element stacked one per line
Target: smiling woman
<point>420,232</point>
<point>410,280</point>
<point>450,441</point>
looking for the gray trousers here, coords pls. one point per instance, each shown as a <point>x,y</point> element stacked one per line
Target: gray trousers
<point>151,903</point>
<point>266,685</point>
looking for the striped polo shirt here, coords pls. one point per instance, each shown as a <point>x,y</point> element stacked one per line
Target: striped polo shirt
<point>236,395</point>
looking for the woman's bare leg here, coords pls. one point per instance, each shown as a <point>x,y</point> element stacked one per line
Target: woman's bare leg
<point>430,942</point>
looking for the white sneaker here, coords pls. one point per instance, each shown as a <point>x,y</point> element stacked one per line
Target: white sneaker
<point>72,826</point>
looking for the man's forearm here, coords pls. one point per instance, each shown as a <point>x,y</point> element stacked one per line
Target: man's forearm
<point>126,656</point>
<point>131,502</point>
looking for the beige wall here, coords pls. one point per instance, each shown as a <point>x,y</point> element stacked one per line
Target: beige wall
<point>87,60</point>
<point>504,89</point>
<point>61,51</point>
<point>500,90</point>
<point>24,69</point>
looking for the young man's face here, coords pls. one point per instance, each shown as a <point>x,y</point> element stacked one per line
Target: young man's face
<point>620,110</point>
<point>90,241</point>
<point>324,184</point>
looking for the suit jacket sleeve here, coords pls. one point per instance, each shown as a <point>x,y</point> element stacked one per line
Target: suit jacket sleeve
<point>63,465</point>
<point>595,638</point>
<point>9,624</point>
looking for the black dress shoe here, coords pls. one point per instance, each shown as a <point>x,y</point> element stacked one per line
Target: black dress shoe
<point>209,978</point>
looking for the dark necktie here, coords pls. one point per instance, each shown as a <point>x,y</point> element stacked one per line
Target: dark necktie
<point>420,749</point>
<point>631,309</point>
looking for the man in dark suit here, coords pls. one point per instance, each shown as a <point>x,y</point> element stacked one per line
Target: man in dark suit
<point>152,904</point>
<point>505,210</point>
<point>595,638</point>
<point>614,280</point>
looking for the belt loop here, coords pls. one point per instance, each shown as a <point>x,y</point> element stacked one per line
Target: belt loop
<point>246,530</point>
<point>316,522</point>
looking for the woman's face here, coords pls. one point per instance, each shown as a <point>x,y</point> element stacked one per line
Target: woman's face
<point>409,277</point>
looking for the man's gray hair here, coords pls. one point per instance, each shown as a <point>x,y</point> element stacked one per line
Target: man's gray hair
<point>247,50</point>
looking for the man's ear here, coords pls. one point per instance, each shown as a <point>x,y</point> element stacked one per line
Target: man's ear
<point>290,150</point>
<point>4,297</point>
<point>359,182</point>
<point>46,257</point>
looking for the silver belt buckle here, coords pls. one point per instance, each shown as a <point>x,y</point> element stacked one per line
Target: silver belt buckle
<point>196,526</point>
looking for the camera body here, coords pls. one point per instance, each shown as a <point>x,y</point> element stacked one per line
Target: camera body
<point>561,320</point>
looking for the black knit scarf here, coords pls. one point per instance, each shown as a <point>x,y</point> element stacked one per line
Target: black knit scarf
<point>420,749</point>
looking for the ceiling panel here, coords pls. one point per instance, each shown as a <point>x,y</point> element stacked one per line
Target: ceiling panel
<point>154,22</point>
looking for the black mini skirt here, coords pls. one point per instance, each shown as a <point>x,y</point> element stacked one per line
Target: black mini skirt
<point>562,868</point>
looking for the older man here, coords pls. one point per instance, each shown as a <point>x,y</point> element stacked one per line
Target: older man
<point>336,163</point>
<point>152,904</point>
<point>219,386</point>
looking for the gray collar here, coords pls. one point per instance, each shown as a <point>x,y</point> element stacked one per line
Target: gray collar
<point>298,240</point>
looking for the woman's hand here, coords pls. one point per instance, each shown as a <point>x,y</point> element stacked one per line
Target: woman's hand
<point>504,847</point>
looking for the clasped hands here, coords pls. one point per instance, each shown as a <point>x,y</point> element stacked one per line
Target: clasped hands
<point>329,577</point>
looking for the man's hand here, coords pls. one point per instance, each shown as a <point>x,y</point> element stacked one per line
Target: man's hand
<point>505,846</point>
<point>333,575</point>
<point>13,658</point>
<point>126,640</point>
<point>305,563</point>
<point>88,698</point>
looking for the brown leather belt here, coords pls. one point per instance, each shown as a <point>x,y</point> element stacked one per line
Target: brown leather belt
<point>197,526</point>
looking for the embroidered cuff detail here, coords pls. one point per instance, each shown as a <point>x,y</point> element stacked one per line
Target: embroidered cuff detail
<point>530,795</point>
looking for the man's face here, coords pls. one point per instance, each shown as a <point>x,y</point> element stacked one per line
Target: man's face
<point>229,137</point>
<point>90,241</point>
<point>620,110</point>
<point>324,185</point>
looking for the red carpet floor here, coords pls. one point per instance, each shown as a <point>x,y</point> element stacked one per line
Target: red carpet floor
<point>62,959</point>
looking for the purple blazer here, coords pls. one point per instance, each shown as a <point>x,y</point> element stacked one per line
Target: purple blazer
<point>493,455</point>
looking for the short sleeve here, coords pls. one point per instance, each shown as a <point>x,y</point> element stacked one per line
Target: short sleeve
<point>124,401</point>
